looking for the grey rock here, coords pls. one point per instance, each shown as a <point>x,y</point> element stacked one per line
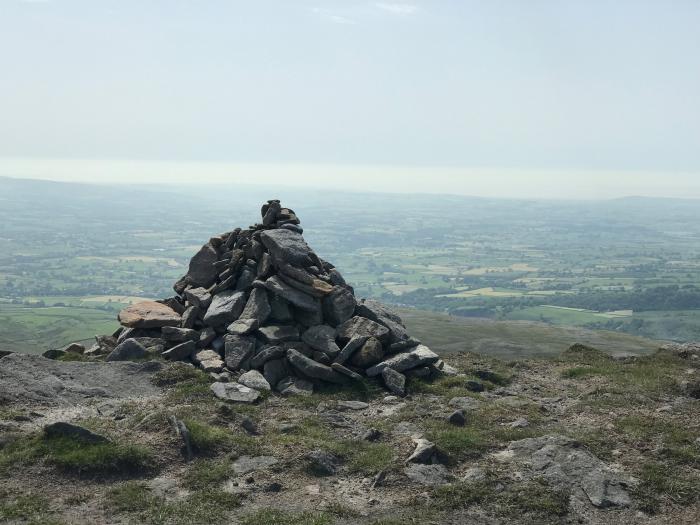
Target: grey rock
<point>264,266</point>
<point>270,212</point>
<point>322,463</point>
<point>174,334</point>
<point>129,349</point>
<point>243,326</point>
<point>419,356</point>
<point>338,306</point>
<point>294,386</point>
<point>225,308</point>
<point>336,278</point>
<point>321,338</point>
<point>394,381</point>
<point>189,316</point>
<point>206,337</point>
<point>234,392</point>
<point>383,315</point>
<point>74,348</point>
<point>346,371</point>
<point>238,348</point>
<point>425,452</point>
<point>352,405</point>
<point>308,318</point>
<point>73,432</point>
<point>292,295</point>
<point>31,379</point>
<point>371,434</point>
<point>406,344</point>
<point>474,386</point>
<point>254,379</point>
<point>421,371</point>
<point>212,365</point>
<point>248,464</point>
<point>151,344</point>
<point>249,426</point>
<point>275,371</point>
<point>267,354</point>
<point>221,377</point>
<point>198,297</point>
<point>357,326</point>
<point>279,333</point>
<point>370,354</point>
<point>209,360</point>
<point>318,289</point>
<point>287,246</point>
<point>457,418</point>
<point>280,311</point>
<point>312,369</point>
<point>564,462</point>
<point>202,271</point>
<point>205,355</point>
<point>521,422</point>
<point>53,353</point>
<point>350,348</point>
<point>320,357</point>
<point>145,315</point>
<point>428,475</point>
<point>257,306</point>
<point>245,281</point>
<point>293,227</point>
<point>180,352</point>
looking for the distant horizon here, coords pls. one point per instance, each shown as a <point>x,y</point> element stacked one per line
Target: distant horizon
<point>476,182</point>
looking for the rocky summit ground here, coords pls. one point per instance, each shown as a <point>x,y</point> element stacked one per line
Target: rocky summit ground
<point>582,438</point>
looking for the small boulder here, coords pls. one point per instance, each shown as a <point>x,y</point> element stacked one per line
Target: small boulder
<point>394,381</point>
<point>234,392</point>
<point>457,418</point>
<point>425,452</point>
<point>74,432</point>
<point>180,352</point>
<point>254,379</point>
<point>371,353</point>
<point>225,308</point>
<point>322,463</point>
<point>278,334</point>
<point>149,314</point>
<point>129,349</point>
<point>294,386</point>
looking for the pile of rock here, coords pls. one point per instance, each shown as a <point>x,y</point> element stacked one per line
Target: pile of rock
<point>261,303</point>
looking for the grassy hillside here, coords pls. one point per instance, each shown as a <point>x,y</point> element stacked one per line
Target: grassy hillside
<point>511,339</point>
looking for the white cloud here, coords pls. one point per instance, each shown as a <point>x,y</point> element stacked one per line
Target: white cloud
<point>332,16</point>
<point>398,9</point>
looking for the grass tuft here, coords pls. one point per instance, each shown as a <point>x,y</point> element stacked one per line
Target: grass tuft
<point>75,457</point>
<point>280,517</point>
<point>137,499</point>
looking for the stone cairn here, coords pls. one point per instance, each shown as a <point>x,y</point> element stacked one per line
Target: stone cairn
<point>259,304</point>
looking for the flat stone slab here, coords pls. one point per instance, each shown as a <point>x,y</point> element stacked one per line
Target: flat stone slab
<point>564,462</point>
<point>235,392</point>
<point>32,379</point>
<point>429,475</point>
<point>149,314</point>
<point>419,356</point>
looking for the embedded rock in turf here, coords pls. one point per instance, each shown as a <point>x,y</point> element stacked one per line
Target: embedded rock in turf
<point>262,303</point>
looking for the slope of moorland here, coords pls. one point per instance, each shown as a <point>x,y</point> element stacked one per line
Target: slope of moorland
<point>577,438</point>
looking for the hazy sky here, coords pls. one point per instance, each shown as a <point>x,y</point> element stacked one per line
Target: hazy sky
<point>559,98</point>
